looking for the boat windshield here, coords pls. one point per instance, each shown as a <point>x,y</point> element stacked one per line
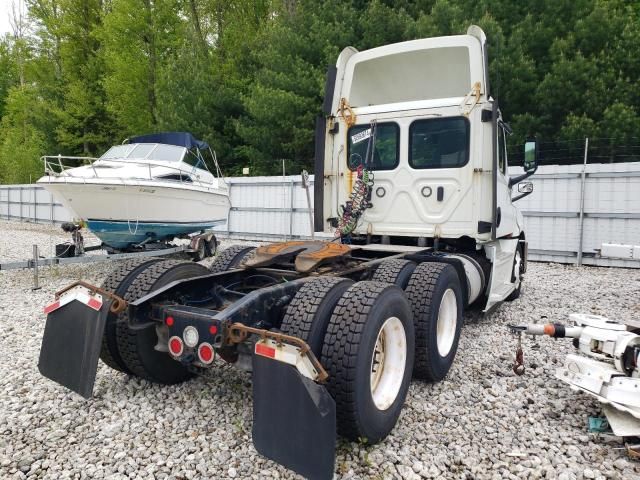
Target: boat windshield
<point>145,151</point>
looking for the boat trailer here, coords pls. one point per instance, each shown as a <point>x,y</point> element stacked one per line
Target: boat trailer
<point>200,246</point>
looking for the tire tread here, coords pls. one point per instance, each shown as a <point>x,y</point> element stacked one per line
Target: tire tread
<point>420,294</point>
<point>229,258</point>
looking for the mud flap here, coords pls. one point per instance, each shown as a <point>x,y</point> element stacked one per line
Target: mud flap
<point>294,419</point>
<point>71,346</point>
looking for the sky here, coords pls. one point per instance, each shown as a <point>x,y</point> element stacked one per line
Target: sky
<point>5,14</point>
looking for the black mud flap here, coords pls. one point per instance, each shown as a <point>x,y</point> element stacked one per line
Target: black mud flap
<point>294,419</point>
<point>71,346</point>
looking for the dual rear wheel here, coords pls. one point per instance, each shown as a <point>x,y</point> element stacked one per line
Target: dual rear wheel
<point>371,336</point>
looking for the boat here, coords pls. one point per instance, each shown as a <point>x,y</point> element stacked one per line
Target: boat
<point>151,188</point>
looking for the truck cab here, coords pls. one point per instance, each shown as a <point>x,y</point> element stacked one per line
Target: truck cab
<point>417,116</point>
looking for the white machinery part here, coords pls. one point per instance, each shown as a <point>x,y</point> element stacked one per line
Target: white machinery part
<point>608,365</point>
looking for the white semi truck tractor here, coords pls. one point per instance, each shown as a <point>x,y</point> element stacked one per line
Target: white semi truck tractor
<point>416,213</point>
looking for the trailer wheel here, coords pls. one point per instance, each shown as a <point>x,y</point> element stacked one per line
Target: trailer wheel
<point>308,314</point>
<point>395,271</point>
<point>436,299</point>
<point>230,258</point>
<point>516,275</point>
<point>368,352</point>
<point>118,282</point>
<point>137,347</point>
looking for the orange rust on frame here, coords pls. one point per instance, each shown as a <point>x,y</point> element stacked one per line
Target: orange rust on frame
<point>238,333</point>
<point>308,255</point>
<point>118,304</point>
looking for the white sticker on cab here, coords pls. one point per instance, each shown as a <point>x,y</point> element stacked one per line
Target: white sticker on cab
<point>358,137</point>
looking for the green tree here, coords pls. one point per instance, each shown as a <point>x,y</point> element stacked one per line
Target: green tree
<point>22,140</point>
<point>84,124</point>
<point>139,38</point>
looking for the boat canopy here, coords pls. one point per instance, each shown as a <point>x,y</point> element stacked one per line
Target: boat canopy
<point>181,139</point>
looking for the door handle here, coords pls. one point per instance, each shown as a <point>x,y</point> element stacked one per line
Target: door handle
<point>440,194</point>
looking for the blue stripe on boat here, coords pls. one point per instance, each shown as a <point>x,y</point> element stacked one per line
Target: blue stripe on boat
<point>122,234</point>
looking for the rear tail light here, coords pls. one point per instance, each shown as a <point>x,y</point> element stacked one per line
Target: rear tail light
<point>206,353</point>
<point>176,347</point>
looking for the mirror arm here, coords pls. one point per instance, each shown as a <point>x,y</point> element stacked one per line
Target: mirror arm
<point>519,178</point>
<point>522,195</point>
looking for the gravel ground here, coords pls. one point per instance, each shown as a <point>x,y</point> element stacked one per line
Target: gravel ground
<point>481,422</point>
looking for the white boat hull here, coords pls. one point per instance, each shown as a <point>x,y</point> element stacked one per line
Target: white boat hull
<point>125,213</point>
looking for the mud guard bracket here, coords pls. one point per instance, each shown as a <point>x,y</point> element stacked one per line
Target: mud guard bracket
<point>294,419</point>
<point>71,346</point>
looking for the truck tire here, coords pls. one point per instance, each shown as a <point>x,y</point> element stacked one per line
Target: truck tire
<point>118,282</point>
<point>395,271</point>
<point>516,275</point>
<point>368,353</point>
<point>137,347</point>
<point>308,314</point>
<point>230,258</point>
<point>436,300</point>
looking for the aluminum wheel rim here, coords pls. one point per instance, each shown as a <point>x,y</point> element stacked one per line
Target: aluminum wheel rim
<point>388,363</point>
<point>516,267</point>
<point>447,322</point>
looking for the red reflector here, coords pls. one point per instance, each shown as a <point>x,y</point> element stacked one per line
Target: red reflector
<point>175,346</point>
<point>50,308</point>
<point>205,353</point>
<point>265,350</point>
<point>213,329</point>
<point>94,303</point>
<point>169,321</point>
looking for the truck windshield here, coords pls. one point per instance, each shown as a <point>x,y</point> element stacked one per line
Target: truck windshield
<point>385,153</point>
<point>439,143</point>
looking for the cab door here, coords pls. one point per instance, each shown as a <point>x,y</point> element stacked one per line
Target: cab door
<point>506,224</point>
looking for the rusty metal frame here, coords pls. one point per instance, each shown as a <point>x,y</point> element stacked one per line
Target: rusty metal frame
<point>238,333</point>
<point>118,304</point>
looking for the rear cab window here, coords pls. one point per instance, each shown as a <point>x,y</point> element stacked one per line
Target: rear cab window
<point>439,143</point>
<point>386,153</point>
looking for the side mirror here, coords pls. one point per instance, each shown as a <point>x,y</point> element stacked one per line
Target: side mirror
<point>530,163</point>
<point>531,155</point>
<point>524,189</point>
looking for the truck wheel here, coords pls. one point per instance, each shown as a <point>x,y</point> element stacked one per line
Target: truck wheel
<point>368,353</point>
<point>309,312</point>
<point>516,275</point>
<point>118,282</point>
<point>436,299</point>
<point>395,271</point>
<point>230,258</point>
<point>137,347</point>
